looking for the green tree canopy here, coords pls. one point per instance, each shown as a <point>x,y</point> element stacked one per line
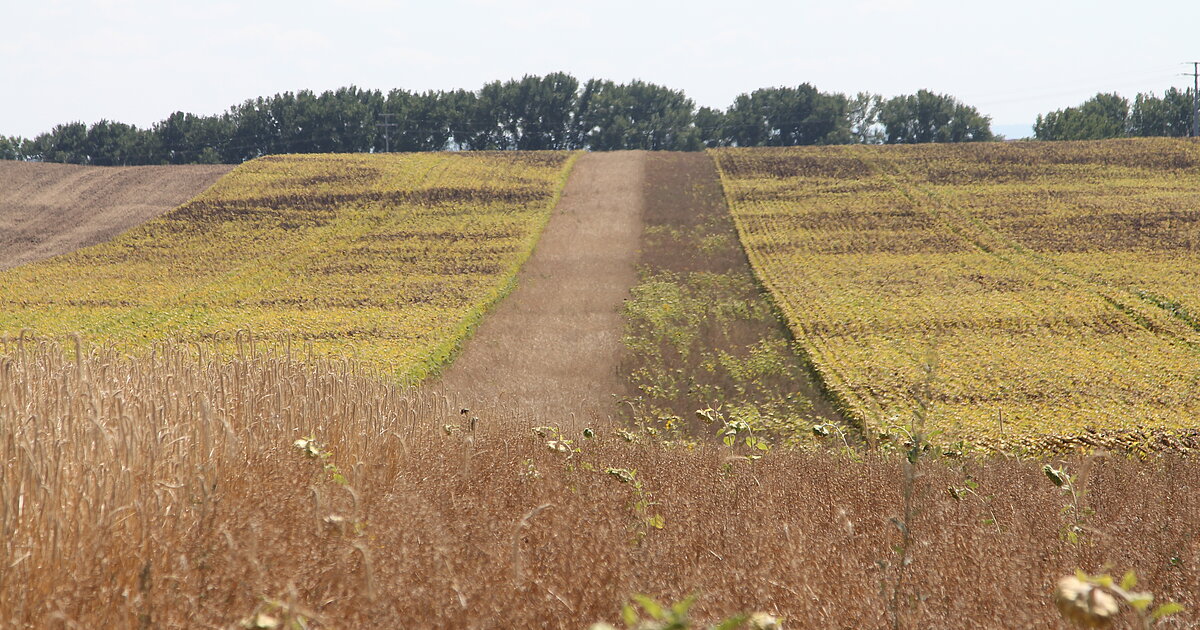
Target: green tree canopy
<point>1168,115</point>
<point>65,143</point>
<point>15,148</point>
<point>187,138</point>
<point>786,116</point>
<point>637,115</point>
<point>929,117</point>
<point>531,113</point>
<point>1102,116</point>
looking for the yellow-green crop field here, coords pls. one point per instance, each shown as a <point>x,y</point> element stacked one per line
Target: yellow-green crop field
<point>1019,290</point>
<point>389,259</point>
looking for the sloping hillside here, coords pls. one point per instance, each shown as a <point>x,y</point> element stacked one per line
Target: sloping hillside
<point>389,259</point>
<point>51,209</point>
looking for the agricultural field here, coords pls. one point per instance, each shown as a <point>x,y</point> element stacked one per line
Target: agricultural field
<point>216,479</point>
<point>1004,294</point>
<point>186,490</point>
<point>385,259</point>
<point>51,209</point>
<point>701,333</point>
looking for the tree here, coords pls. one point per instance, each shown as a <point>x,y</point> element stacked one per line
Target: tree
<point>254,131</point>
<point>292,116</point>
<point>637,115</point>
<point>485,129</point>
<point>65,143</point>
<point>710,125</point>
<point>14,148</point>
<point>1170,115</point>
<point>541,111</point>
<point>551,112</point>
<point>929,117</point>
<point>863,115</point>
<point>782,117</point>
<point>342,120</point>
<point>114,144</point>
<point>534,113</point>
<point>1102,116</point>
<point>188,139</point>
<point>456,108</point>
<point>424,122</point>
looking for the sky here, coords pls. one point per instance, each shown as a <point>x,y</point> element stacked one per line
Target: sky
<point>136,61</point>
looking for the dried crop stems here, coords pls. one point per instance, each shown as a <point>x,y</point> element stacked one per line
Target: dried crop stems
<point>111,463</point>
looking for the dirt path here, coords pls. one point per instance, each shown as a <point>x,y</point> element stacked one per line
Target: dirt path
<point>51,209</point>
<point>549,351</point>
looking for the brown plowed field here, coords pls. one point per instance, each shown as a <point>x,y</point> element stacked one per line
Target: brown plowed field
<point>550,350</point>
<point>51,209</point>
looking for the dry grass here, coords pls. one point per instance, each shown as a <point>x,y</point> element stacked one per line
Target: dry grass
<point>167,492</point>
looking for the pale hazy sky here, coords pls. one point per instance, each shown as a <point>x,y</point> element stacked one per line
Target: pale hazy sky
<point>136,61</point>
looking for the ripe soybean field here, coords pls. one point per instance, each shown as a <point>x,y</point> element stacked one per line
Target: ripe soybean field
<point>386,259</point>
<point>1009,294</point>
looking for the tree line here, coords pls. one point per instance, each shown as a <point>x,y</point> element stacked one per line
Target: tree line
<point>1114,116</point>
<point>555,111</point>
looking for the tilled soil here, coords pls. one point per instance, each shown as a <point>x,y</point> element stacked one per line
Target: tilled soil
<point>721,344</point>
<point>549,351</point>
<point>52,209</point>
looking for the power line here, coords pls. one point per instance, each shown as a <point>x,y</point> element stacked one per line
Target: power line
<point>1063,88</point>
<point>1043,96</point>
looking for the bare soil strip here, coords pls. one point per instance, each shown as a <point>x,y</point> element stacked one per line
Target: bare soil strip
<point>549,351</point>
<point>52,209</point>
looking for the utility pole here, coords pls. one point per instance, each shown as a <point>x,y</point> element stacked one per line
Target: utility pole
<point>1195,74</point>
<point>1196,99</point>
<point>387,126</point>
